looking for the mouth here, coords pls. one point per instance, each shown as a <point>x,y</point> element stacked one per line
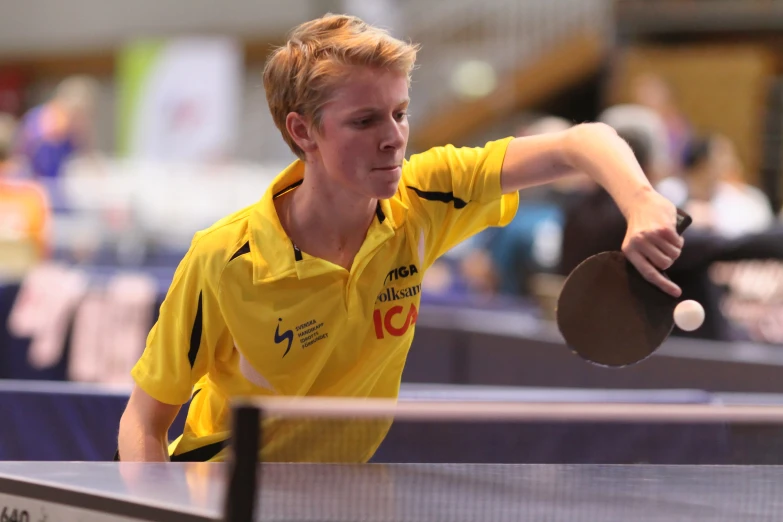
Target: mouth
<point>388,168</point>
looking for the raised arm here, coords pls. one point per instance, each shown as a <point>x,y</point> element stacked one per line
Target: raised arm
<point>651,242</point>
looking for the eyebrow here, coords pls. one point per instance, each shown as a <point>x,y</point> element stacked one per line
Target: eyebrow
<point>372,110</point>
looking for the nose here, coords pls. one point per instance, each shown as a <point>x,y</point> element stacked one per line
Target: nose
<point>395,136</point>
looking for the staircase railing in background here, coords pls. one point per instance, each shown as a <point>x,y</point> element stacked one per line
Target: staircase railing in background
<point>502,36</point>
<point>643,17</point>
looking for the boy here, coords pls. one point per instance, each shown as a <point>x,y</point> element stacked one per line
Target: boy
<point>315,289</point>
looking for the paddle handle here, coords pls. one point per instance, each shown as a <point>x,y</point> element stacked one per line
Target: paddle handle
<point>683,221</point>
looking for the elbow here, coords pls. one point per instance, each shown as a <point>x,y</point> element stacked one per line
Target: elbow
<point>595,128</point>
<point>585,133</point>
<point>580,142</point>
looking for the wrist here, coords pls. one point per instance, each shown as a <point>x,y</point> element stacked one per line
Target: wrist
<point>638,197</point>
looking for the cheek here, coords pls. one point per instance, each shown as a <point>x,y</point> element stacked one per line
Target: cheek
<point>334,150</point>
<point>354,150</point>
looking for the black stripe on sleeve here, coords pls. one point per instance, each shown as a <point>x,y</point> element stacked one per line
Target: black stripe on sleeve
<point>242,251</point>
<point>195,334</point>
<point>202,454</point>
<point>444,197</point>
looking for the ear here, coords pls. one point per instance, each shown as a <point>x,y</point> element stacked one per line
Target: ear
<point>301,131</point>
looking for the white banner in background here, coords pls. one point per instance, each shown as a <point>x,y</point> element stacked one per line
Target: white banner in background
<point>179,100</point>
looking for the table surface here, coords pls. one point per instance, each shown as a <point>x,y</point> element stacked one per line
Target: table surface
<point>459,492</point>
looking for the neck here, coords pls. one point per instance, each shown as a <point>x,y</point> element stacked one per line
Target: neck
<point>323,218</point>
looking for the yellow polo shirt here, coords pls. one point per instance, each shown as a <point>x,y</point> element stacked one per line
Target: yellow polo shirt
<point>248,313</point>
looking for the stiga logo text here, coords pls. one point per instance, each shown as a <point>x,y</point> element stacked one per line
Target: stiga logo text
<point>400,273</point>
<point>395,321</point>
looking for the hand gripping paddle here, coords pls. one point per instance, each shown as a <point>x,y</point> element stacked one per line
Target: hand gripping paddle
<point>609,314</point>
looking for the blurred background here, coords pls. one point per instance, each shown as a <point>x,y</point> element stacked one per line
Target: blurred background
<point>126,127</point>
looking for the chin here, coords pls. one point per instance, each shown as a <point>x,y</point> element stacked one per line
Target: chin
<point>387,191</point>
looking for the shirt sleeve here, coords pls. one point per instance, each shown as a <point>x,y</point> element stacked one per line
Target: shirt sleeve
<point>458,193</point>
<point>181,345</point>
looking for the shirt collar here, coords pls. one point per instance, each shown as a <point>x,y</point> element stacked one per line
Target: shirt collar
<point>273,253</point>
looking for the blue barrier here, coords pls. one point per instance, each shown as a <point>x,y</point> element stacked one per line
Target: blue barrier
<point>76,422</point>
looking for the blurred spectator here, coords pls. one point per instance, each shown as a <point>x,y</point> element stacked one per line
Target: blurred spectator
<point>652,91</point>
<point>9,162</point>
<point>714,192</point>
<point>594,224</point>
<point>13,82</point>
<point>639,123</point>
<point>24,207</point>
<point>53,132</point>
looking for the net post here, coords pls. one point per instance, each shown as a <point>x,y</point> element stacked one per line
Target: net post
<point>243,475</point>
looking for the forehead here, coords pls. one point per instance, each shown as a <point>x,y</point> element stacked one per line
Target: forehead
<point>366,87</point>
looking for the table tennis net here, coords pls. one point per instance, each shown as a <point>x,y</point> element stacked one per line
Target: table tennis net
<point>341,459</point>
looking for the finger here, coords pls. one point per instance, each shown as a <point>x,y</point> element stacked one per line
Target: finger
<point>651,274</point>
<point>649,250</point>
<point>668,249</point>
<point>654,255</point>
<point>669,235</point>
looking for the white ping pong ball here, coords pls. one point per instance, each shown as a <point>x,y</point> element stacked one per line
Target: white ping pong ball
<point>688,315</point>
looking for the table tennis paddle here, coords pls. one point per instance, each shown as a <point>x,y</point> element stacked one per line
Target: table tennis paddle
<point>609,314</point>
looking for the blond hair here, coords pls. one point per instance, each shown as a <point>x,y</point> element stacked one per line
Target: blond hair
<point>301,76</point>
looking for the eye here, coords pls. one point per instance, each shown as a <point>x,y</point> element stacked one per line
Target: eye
<point>401,115</point>
<point>362,123</point>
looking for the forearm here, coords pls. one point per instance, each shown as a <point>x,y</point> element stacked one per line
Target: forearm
<point>594,150</point>
<point>137,443</point>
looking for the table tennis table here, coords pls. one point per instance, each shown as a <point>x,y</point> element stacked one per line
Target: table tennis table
<point>114,492</point>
